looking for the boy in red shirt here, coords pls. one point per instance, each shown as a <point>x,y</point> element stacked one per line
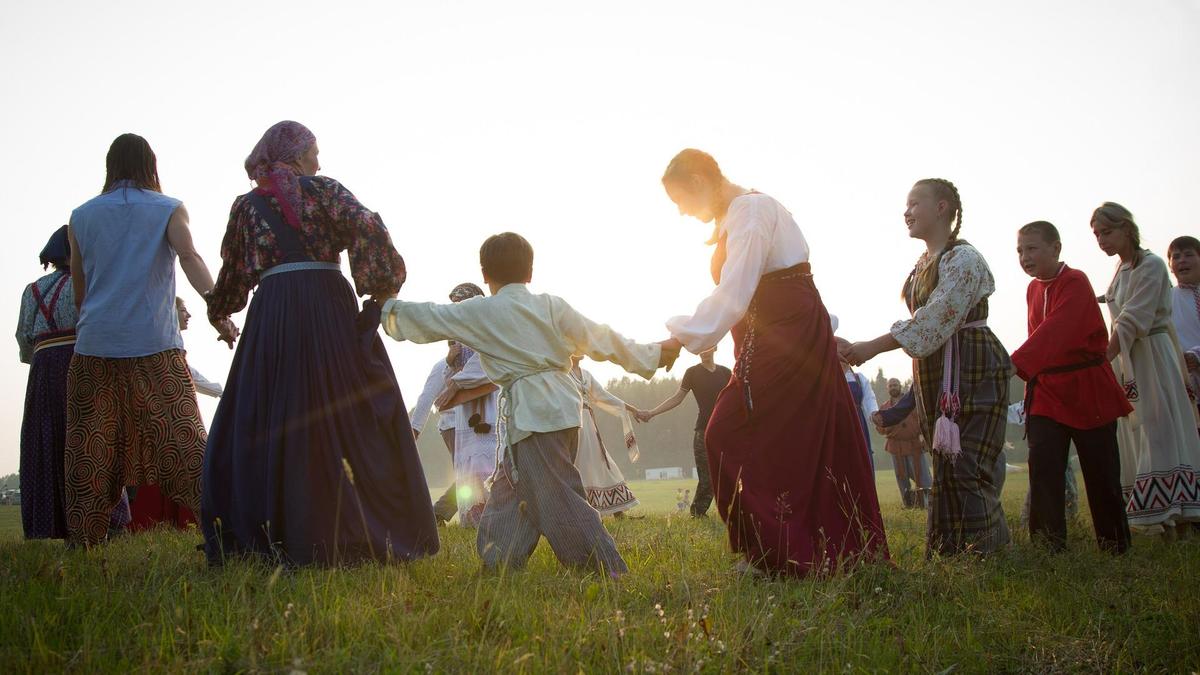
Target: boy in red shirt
<point>1071,394</point>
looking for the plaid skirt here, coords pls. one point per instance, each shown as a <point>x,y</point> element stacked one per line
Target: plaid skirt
<point>966,514</point>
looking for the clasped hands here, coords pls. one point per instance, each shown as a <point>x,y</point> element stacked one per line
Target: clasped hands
<point>227,331</point>
<point>858,353</point>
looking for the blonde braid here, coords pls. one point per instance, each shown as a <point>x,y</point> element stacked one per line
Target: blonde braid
<point>946,190</point>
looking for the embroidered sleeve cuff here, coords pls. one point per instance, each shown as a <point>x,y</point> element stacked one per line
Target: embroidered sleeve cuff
<point>906,333</point>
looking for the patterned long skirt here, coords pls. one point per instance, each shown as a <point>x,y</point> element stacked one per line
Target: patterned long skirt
<point>965,514</point>
<point>129,422</point>
<point>603,481</point>
<point>43,437</point>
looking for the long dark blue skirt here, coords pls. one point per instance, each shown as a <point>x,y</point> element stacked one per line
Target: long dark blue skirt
<point>311,459</point>
<point>43,440</point>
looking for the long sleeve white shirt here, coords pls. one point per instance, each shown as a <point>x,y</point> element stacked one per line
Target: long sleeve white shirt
<point>525,342</point>
<point>762,237</point>
<point>204,385</point>
<point>434,384</point>
<point>869,404</point>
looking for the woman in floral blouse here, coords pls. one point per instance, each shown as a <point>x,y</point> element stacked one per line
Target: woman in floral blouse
<point>960,373</point>
<point>310,459</point>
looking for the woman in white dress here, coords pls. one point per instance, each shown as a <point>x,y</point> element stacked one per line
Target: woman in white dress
<point>1160,450</point>
<point>475,440</point>
<point>606,489</point>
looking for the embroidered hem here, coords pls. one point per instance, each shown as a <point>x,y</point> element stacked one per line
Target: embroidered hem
<point>610,500</point>
<point>1163,496</point>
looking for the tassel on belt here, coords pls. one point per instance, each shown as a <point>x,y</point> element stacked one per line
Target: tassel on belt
<point>946,436</point>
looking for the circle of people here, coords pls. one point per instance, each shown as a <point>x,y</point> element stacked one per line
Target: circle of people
<point>311,457</point>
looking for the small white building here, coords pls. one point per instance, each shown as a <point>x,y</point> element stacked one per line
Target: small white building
<point>664,473</point>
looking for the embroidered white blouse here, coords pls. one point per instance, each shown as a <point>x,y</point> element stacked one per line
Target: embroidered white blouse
<point>762,238</point>
<point>964,279</point>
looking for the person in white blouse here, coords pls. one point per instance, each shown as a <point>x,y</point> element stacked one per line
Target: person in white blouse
<point>1183,257</point>
<point>203,384</point>
<point>439,387</point>
<point>445,507</point>
<point>961,373</point>
<point>785,447</point>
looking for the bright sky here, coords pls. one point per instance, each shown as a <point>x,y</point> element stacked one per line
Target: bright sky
<point>459,119</point>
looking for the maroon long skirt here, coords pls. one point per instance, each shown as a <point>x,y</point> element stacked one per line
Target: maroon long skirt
<point>786,452</point>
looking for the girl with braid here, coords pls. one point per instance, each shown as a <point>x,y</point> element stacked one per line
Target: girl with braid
<point>960,373</point>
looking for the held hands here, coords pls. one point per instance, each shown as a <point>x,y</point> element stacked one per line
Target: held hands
<point>227,331</point>
<point>858,353</point>
<point>670,352</point>
<point>643,416</point>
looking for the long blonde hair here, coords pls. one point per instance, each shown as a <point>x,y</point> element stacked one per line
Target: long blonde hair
<point>1117,217</point>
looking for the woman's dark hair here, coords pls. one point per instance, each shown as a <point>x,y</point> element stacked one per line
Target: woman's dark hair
<point>1047,231</point>
<point>130,158</point>
<point>1184,243</point>
<point>506,258</point>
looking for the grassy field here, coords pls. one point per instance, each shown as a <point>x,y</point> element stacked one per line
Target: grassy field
<point>148,602</point>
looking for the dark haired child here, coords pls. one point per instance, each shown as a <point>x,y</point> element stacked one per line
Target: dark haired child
<point>960,373</point>
<point>525,342</point>
<point>1183,255</point>
<point>1160,450</point>
<point>1071,395</point>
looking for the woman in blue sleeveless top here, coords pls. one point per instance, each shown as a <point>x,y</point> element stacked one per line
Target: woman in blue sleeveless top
<point>311,459</point>
<point>132,417</point>
<point>46,336</point>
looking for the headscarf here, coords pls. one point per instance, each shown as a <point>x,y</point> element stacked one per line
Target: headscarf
<point>270,164</point>
<point>463,291</point>
<point>57,250</point>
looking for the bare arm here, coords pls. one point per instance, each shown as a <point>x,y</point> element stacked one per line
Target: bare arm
<point>669,404</point>
<point>78,283</point>
<point>179,236</point>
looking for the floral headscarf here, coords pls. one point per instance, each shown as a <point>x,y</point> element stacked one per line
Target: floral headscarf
<point>270,165</point>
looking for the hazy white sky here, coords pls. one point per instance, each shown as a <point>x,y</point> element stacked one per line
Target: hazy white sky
<point>459,119</point>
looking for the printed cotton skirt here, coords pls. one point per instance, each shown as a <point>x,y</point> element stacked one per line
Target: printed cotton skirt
<point>311,459</point>
<point>43,434</point>
<point>130,421</point>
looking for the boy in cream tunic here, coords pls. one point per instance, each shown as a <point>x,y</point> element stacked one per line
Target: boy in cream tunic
<point>525,342</point>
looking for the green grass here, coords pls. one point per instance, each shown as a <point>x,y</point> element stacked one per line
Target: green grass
<point>148,602</point>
